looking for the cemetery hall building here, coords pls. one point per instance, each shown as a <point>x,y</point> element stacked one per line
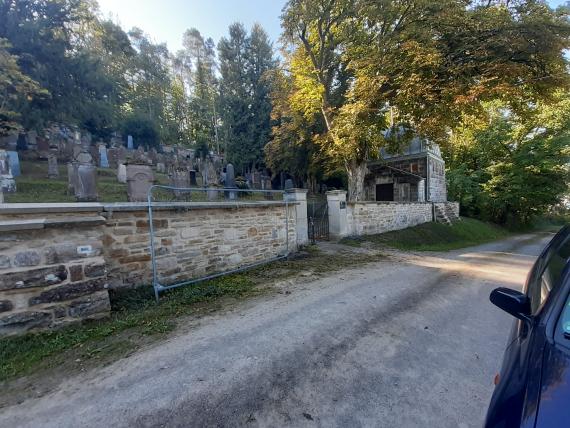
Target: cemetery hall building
<point>417,174</point>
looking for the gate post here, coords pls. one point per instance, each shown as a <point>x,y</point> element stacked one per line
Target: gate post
<point>299,197</point>
<point>336,200</point>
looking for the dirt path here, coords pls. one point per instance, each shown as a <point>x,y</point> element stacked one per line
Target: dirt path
<point>407,341</point>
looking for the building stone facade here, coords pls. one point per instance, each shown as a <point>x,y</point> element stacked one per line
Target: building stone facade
<point>415,175</point>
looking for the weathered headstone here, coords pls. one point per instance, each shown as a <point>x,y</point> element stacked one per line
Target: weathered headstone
<point>230,182</point>
<point>14,161</point>
<point>130,144</point>
<point>103,160</point>
<point>53,170</point>
<point>86,185</point>
<point>139,181</point>
<point>181,180</point>
<point>31,139</point>
<point>22,143</point>
<point>192,174</point>
<point>71,177</point>
<point>7,182</point>
<point>289,184</point>
<point>42,146</point>
<point>160,168</point>
<point>122,173</point>
<point>113,157</point>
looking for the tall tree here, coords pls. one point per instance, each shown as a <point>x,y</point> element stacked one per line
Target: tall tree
<point>417,63</point>
<point>245,105</point>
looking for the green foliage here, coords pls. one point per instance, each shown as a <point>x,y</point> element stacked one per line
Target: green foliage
<point>514,167</point>
<point>143,131</point>
<point>245,105</point>
<point>366,66</point>
<point>436,236</point>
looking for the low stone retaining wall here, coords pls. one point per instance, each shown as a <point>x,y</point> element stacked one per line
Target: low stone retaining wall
<point>57,261</point>
<point>370,218</point>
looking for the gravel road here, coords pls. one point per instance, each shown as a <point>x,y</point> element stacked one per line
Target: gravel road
<point>409,341</point>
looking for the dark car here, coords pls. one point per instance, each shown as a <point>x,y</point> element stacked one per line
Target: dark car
<point>533,386</point>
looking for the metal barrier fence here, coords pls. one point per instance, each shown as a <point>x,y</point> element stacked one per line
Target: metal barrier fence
<point>185,200</point>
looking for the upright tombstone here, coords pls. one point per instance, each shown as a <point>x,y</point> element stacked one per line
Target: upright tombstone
<point>31,139</point>
<point>53,170</point>
<point>181,180</point>
<point>160,168</point>
<point>71,177</point>
<point>139,181</point>
<point>7,182</point>
<point>22,143</point>
<point>122,173</point>
<point>130,144</point>
<point>230,182</point>
<point>86,184</point>
<point>103,160</point>
<point>113,157</point>
<point>192,174</point>
<point>14,161</point>
<point>289,184</point>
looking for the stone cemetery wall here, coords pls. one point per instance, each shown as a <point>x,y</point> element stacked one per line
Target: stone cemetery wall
<point>52,271</point>
<point>369,218</point>
<point>57,261</point>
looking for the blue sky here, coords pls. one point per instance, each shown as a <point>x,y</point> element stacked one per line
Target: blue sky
<point>166,20</point>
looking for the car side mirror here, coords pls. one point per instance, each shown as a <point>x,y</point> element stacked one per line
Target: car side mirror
<point>514,302</point>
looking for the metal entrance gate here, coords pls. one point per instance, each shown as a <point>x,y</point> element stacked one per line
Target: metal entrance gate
<point>188,199</point>
<point>318,216</point>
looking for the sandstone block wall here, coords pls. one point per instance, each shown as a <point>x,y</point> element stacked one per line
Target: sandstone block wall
<point>192,243</point>
<point>57,261</point>
<point>369,218</point>
<point>53,275</point>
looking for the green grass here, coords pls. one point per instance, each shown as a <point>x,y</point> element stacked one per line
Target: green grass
<point>134,312</point>
<point>436,236</point>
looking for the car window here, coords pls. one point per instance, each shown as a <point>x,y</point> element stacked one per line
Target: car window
<point>549,278</point>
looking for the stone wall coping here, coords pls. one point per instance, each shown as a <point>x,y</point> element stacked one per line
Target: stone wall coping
<point>42,223</point>
<point>335,192</point>
<point>50,208</point>
<point>388,203</point>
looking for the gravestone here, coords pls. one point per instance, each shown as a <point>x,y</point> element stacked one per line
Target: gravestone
<point>22,143</point>
<point>130,144</point>
<point>181,180</point>
<point>113,157</point>
<point>7,182</point>
<point>192,174</point>
<point>122,155</point>
<point>103,160</point>
<point>71,177</point>
<point>42,146</point>
<point>160,168</point>
<point>139,181</point>
<point>14,161</point>
<point>230,182</point>
<point>289,184</point>
<point>86,184</point>
<point>122,173</point>
<point>53,170</point>
<point>31,139</point>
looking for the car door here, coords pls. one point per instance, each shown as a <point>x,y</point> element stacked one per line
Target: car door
<point>515,398</point>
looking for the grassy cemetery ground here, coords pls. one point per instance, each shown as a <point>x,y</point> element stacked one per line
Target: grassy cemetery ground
<point>435,236</point>
<point>33,186</point>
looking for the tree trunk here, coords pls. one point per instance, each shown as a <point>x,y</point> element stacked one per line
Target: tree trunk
<point>356,172</point>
